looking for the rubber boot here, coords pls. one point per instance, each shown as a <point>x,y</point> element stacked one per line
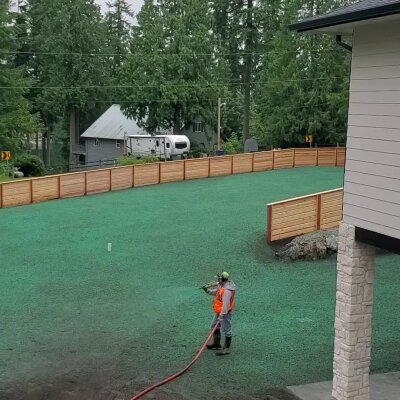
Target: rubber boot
<point>227,347</point>
<point>215,343</point>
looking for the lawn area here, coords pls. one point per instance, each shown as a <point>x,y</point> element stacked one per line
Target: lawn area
<point>78,322</point>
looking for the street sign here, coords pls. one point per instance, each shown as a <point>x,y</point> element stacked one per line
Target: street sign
<point>309,138</point>
<point>5,155</point>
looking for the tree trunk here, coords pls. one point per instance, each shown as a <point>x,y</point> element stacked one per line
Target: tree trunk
<point>248,69</point>
<point>177,123</point>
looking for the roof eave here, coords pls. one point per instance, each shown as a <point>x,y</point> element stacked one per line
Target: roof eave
<point>329,21</point>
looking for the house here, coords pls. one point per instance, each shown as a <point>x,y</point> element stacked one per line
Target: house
<point>105,138</point>
<point>371,206</point>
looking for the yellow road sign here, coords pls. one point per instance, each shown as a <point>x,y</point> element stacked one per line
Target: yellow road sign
<point>5,155</point>
<point>309,138</point>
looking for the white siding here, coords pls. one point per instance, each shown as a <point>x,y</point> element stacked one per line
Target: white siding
<point>372,178</point>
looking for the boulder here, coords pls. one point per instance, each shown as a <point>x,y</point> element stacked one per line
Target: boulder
<point>311,246</point>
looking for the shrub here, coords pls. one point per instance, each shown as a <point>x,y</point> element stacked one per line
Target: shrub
<point>30,165</point>
<point>132,160</point>
<point>232,145</point>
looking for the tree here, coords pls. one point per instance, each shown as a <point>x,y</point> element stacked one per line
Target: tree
<point>119,27</point>
<point>69,63</point>
<point>17,122</point>
<point>173,74</point>
<point>303,83</point>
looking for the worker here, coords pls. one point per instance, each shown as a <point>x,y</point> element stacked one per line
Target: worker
<point>224,295</point>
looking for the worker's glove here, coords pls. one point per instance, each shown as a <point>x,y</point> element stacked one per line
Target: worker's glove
<point>221,317</point>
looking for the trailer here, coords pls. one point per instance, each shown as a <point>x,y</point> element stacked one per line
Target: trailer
<point>165,147</point>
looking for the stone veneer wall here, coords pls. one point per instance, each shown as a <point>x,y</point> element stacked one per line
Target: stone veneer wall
<point>354,295</point>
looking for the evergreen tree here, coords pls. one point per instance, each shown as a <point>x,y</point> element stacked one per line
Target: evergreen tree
<point>17,122</point>
<point>173,73</point>
<point>68,39</point>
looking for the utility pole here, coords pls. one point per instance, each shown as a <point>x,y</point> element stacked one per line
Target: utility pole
<point>248,69</point>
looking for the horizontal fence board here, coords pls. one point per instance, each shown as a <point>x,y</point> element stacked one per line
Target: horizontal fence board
<point>121,177</point>
<point>16,193</point>
<point>305,157</point>
<point>98,181</point>
<point>242,163</point>
<point>221,165</point>
<point>283,158</point>
<point>341,156</point>
<point>305,214</point>
<point>327,157</point>
<point>146,174</point>
<point>197,168</point>
<point>172,171</point>
<point>72,185</point>
<point>263,161</point>
<point>46,188</point>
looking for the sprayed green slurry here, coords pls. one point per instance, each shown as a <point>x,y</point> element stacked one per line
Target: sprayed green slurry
<point>122,319</point>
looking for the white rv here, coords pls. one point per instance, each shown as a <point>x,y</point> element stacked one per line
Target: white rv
<point>165,147</point>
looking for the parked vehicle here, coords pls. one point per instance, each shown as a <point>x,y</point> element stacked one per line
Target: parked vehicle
<point>165,147</point>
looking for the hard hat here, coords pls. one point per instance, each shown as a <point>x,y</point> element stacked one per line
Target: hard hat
<point>223,275</point>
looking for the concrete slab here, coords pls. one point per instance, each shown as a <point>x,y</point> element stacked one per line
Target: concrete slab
<point>383,387</point>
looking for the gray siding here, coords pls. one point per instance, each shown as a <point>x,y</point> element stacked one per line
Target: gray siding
<point>372,177</point>
<point>106,150</point>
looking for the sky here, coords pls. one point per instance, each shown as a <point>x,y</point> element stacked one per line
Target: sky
<point>135,4</point>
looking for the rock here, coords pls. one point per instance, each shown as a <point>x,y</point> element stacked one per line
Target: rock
<point>311,246</point>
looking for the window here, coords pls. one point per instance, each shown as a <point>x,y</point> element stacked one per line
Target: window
<point>180,145</point>
<point>198,127</point>
<point>96,142</point>
<point>168,146</point>
<point>117,144</point>
<point>157,143</point>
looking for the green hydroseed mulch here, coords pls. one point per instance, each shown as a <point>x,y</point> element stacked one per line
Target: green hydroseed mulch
<point>78,322</point>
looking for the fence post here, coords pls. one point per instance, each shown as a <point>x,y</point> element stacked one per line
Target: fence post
<point>159,172</point>
<point>31,189</point>
<point>59,186</point>
<point>1,196</point>
<point>133,176</point>
<point>231,165</point>
<point>86,185</point>
<point>110,178</point>
<point>184,169</point>
<point>269,223</point>
<point>252,162</point>
<point>273,159</point>
<point>318,212</point>
<point>294,155</point>
<point>209,166</point>
<point>317,157</point>
<point>336,151</point>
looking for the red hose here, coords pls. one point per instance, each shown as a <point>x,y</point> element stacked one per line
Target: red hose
<point>176,375</point>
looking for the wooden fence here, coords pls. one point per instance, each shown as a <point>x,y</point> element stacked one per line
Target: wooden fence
<point>294,217</point>
<point>33,190</point>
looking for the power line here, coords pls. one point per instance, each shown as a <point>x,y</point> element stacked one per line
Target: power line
<point>61,53</point>
<point>183,85</point>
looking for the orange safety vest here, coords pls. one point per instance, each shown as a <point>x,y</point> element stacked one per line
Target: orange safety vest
<point>217,304</point>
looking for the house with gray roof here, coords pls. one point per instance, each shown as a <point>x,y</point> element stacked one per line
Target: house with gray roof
<point>105,138</point>
<point>371,205</point>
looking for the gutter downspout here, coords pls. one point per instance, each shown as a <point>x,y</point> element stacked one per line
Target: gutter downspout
<point>342,44</point>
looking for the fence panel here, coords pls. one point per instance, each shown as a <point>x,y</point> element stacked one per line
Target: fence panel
<point>172,171</point>
<point>122,177</point>
<point>242,163</point>
<point>72,185</point>
<point>16,193</point>
<point>263,161</point>
<point>283,158</point>
<point>341,156</point>
<point>46,188</point>
<point>98,181</point>
<point>331,209</point>
<point>305,157</point>
<point>221,165</point>
<point>146,174</point>
<point>292,218</point>
<point>197,168</point>
<point>327,157</point>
